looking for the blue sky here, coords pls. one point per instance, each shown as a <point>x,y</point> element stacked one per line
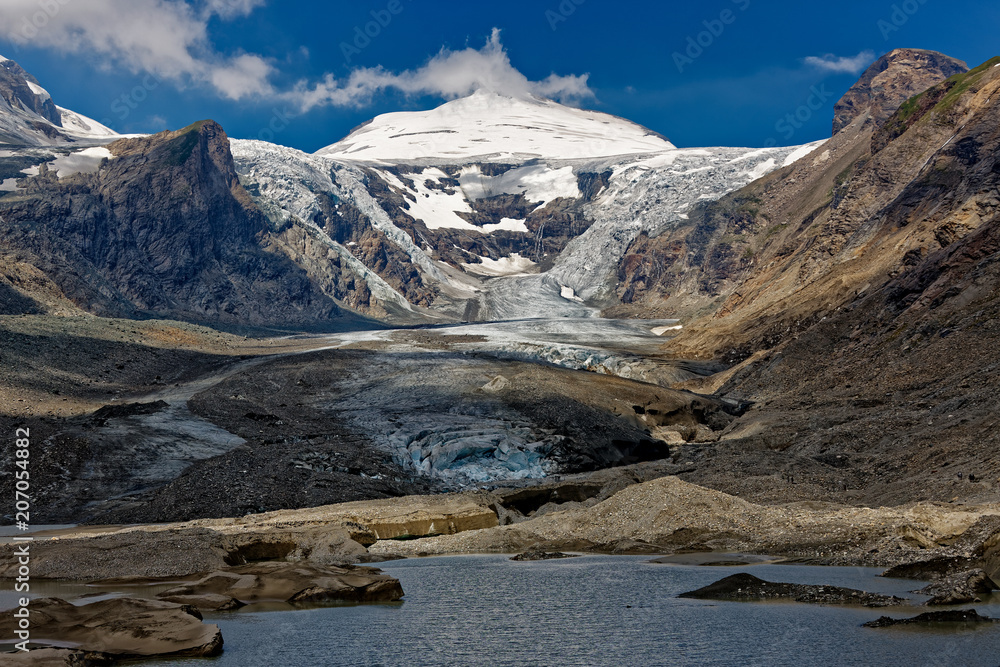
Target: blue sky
<point>282,72</point>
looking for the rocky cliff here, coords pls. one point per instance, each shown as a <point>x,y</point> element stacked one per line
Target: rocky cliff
<point>890,81</point>
<point>160,226</point>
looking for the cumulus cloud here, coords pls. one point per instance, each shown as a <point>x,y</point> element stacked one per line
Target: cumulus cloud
<point>449,74</point>
<point>169,39</point>
<point>842,64</point>
<point>228,9</point>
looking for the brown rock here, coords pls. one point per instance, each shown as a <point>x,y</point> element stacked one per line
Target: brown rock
<point>206,602</point>
<point>57,657</point>
<point>293,582</point>
<point>122,627</point>
<point>890,81</point>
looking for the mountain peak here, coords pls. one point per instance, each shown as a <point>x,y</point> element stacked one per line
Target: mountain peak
<point>890,81</point>
<point>493,126</point>
<point>29,116</point>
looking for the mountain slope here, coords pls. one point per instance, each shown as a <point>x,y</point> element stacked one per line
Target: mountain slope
<point>158,226</point>
<point>771,240</point>
<point>864,330</point>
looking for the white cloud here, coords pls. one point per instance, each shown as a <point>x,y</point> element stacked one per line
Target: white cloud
<point>449,74</point>
<point>231,8</point>
<point>243,75</point>
<point>169,39</point>
<point>842,64</point>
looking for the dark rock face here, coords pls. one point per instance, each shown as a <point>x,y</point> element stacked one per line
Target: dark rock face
<point>17,94</point>
<point>964,617</point>
<point>890,81</point>
<point>550,227</point>
<point>746,587</point>
<point>164,228</point>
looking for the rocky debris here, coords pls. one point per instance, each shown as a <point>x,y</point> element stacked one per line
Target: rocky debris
<point>746,587</point>
<point>537,554</point>
<point>890,81</point>
<point>962,616</point>
<point>667,515</point>
<point>57,657</point>
<point>413,424</point>
<point>960,588</point>
<point>123,627</point>
<point>153,553</point>
<point>931,568</point>
<point>297,583</point>
<point>321,536</point>
<point>120,410</point>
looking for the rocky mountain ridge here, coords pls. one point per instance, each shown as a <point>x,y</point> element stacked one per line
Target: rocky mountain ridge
<point>157,226</point>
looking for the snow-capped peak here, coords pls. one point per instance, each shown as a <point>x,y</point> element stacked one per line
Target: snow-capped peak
<point>490,126</point>
<point>28,115</point>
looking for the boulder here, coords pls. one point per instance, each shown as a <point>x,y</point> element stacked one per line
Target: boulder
<point>122,628</point>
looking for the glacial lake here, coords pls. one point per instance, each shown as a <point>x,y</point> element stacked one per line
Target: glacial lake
<point>596,610</point>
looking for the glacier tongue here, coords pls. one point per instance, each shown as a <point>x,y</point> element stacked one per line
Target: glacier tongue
<point>647,194</point>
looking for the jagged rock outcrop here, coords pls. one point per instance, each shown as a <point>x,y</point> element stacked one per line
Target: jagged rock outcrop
<point>163,228</point>
<point>890,81</point>
<point>18,94</point>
